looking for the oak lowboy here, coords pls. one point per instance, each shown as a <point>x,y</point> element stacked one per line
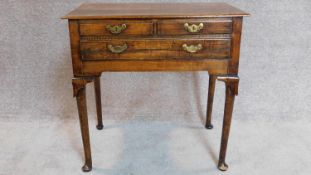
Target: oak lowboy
<point>155,37</point>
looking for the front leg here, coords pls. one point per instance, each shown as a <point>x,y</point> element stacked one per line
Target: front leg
<point>232,83</point>
<point>79,93</point>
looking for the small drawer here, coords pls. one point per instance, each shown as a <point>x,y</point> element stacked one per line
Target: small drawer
<point>116,27</point>
<point>138,49</point>
<point>195,27</point>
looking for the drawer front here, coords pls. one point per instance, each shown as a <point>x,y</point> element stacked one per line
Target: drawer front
<point>119,49</point>
<point>195,27</point>
<point>116,27</point>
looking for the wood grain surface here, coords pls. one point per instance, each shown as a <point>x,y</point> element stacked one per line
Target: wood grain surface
<point>155,49</point>
<point>153,10</point>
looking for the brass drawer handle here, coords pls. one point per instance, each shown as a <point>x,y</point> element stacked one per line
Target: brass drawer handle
<point>117,48</point>
<point>116,29</point>
<point>192,48</point>
<point>193,28</point>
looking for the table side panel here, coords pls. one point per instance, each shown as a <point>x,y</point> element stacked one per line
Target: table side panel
<point>235,45</point>
<point>75,47</point>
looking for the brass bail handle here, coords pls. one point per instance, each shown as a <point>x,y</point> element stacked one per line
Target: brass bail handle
<point>117,48</point>
<point>193,28</point>
<point>192,48</point>
<point>116,29</point>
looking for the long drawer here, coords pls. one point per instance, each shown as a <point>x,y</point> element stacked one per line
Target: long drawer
<point>140,49</point>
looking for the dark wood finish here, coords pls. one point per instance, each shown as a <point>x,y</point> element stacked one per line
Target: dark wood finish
<point>155,37</point>
<point>210,100</point>
<point>153,10</point>
<point>156,49</point>
<point>75,47</point>
<point>100,125</point>
<point>231,91</point>
<point>79,93</point>
<point>212,66</point>
<point>211,26</point>
<point>235,49</point>
<point>133,27</point>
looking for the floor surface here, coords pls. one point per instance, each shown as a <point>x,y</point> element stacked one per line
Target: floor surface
<point>144,145</point>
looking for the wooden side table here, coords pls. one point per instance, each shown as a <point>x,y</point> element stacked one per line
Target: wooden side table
<point>155,37</point>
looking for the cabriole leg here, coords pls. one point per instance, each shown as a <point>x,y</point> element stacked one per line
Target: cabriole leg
<point>231,91</point>
<point>79,93</point>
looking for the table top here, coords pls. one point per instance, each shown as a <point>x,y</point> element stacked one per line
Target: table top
<point>153,10</point>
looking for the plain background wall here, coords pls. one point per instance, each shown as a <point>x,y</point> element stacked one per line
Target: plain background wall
<point>35,68</point>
